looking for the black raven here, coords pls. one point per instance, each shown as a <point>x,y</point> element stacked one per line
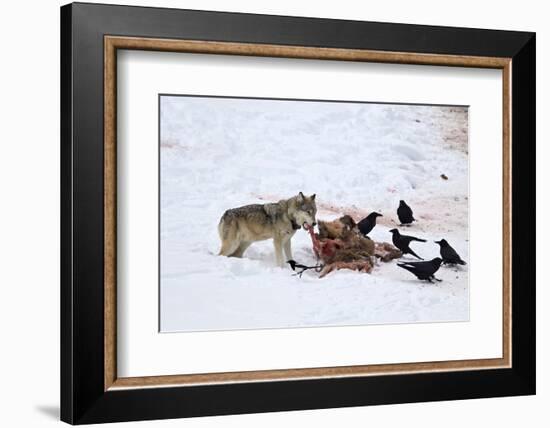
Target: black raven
<point>368,223</point>
<point>402,242</point>
<point>405,213</point>
<point>448,254</point>
<point>423,270</point>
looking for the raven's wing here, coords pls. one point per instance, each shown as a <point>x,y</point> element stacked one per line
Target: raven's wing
<point>365,226</point>
<point>401,214</point>
<point>450,254</point>
<point>411,269</point>
<point>417,265</point>
<point>425,268</point>
<point>405,210</point>
<point>412,238</point>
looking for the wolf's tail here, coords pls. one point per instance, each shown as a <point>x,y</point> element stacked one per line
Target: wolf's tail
<point>221,232</point>
<point>227,229</point>
<point>221,227</point>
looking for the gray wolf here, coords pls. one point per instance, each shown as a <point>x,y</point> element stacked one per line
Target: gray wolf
<point>240,227</point>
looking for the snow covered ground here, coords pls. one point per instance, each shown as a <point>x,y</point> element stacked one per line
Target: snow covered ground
<point>220,153</point>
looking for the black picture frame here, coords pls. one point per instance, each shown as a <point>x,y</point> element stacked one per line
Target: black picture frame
<point>83,398</point>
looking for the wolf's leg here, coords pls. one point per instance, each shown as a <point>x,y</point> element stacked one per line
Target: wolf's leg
<point>278,252</point>
<point>288,249</point>
<point>241,249</point>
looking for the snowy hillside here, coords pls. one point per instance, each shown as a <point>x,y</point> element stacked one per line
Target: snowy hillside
<point>222,153</point>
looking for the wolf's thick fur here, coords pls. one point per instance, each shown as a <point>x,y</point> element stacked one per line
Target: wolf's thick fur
<point>240,227</point>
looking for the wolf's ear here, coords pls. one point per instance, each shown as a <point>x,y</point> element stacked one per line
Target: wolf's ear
<point>313,197</point>
<point>301,197</point>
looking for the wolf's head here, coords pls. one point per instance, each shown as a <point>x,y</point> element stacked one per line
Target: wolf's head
<point>302,210</point>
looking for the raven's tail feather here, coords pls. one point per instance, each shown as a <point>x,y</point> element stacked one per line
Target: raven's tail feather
<point>414,254</point>
<point>407,267</point>
<point>411,269</point>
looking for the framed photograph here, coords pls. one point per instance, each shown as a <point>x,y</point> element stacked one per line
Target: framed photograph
<point>266,213</point>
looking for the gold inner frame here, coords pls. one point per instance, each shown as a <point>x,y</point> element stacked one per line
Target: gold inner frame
<point>113,43</point>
